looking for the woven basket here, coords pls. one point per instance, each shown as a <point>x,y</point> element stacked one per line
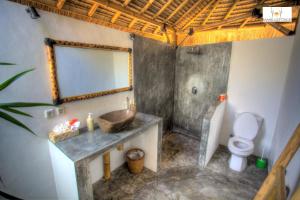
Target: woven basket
<point>135,165</point>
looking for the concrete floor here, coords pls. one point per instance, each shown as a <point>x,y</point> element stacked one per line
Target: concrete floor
<point>181,179</point>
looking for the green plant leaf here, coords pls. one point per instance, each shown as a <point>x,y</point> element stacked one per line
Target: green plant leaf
<point>5,63</point>
<point>12,79</point>
<point>15,111</point>
<point>24,104</point>
<point>11,119</point>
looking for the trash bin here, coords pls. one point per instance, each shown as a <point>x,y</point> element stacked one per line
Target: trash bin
<point>135,159</point>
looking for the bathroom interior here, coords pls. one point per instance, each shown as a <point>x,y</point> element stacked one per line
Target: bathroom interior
<point>130,107</point>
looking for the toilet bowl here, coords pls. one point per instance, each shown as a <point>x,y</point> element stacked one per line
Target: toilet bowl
<point>241,145</point>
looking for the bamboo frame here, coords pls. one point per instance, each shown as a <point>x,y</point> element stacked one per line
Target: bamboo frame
<point>106,166</point>
<point>93,10</point>
<point>60,4</point>
<point>274,185</point>
<point>50,48</point>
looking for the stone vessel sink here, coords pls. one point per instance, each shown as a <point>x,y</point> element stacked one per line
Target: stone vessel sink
<point>116,121</point>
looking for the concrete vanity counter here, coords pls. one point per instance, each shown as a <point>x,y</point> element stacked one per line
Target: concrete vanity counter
<point>77,161</point>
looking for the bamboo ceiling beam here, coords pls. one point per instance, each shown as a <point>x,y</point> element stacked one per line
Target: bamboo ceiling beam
<point>245,22</point>
<point>281,28</point>
<point>84,17</point>
<point>211,12</point>
<point>233,6</point>
<point>197,15</point>
<point>188,12</point>
<point>148,4</point>
<point>115,17</point>
<point>132,23</point>
<point>118,8</point>
<point>177,9</point>
<point>249,18</point>
<point>126,2</point>
<point>145,27</point>
<point>60,4</point>
<point>162,9</point>
<point>167,37</point>
<point>156,30</point>
<point>224,22</point>
<point>93,9</point>
<point>231,9</point>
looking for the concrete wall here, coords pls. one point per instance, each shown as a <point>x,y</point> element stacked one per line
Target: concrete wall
<point>256,81</point>
<point>208,71</point>
<point>25,162</point>
<point>289,115</point>
<point>154,78</point>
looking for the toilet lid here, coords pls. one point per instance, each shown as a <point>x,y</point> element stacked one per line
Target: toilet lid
<point>246,126</point>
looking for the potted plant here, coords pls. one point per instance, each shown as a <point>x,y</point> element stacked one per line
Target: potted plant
<point>6,109</point>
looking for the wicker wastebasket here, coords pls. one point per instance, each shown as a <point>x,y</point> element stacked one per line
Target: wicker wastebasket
<point>135,159</point>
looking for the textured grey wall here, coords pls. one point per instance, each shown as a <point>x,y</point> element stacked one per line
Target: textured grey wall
<point>154,75</point>
<point>206,68</point>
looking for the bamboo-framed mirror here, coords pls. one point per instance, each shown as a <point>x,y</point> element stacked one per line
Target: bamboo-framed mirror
<point>81,71</point>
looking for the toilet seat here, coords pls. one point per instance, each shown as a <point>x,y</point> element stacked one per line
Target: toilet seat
<point>245,126</point>
<point>240,146</point>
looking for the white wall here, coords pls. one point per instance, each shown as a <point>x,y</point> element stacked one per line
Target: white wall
<point>25,163</point>
<point>289,116</point>
<point>256,81</point>
<point>215,131</point>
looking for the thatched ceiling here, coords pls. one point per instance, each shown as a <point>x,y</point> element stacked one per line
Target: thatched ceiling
<point>171,20</point>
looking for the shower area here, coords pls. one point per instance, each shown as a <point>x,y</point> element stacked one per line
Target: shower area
<point>182,86</point>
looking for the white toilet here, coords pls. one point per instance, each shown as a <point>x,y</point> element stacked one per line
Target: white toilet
<point>245,128</point>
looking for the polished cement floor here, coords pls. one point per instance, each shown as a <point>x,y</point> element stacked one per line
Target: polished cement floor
<point>181,179</point>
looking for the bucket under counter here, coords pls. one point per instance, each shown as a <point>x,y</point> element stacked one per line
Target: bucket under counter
<point>77,162</point>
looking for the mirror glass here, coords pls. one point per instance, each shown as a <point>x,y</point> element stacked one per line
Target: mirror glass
<point>82,71</point>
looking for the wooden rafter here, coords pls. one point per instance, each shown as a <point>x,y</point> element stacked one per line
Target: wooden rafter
<point>156,30</point>
<point>281,28</point>
<point>148,4</point>
<point>245,22</point>
<point>229,34</point>
<point>211,12</point>
<point>195,5</point>
<point>231,9</point>
<point>177,9</point>
<point>224,22</point>
<point>197,15</point>
<point>145,27</point>
<point>233,6</point>
<point>115,17</point>
<point>162,9</point>
<point>126,2</point>
<point>93,9</point>
<point>84,17</point>
<point>131,24</point>
<point>118,8</point>
<point>261,2</point>
<point>60,4</point>
<point>167,37</point>
<point>154,22</point>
